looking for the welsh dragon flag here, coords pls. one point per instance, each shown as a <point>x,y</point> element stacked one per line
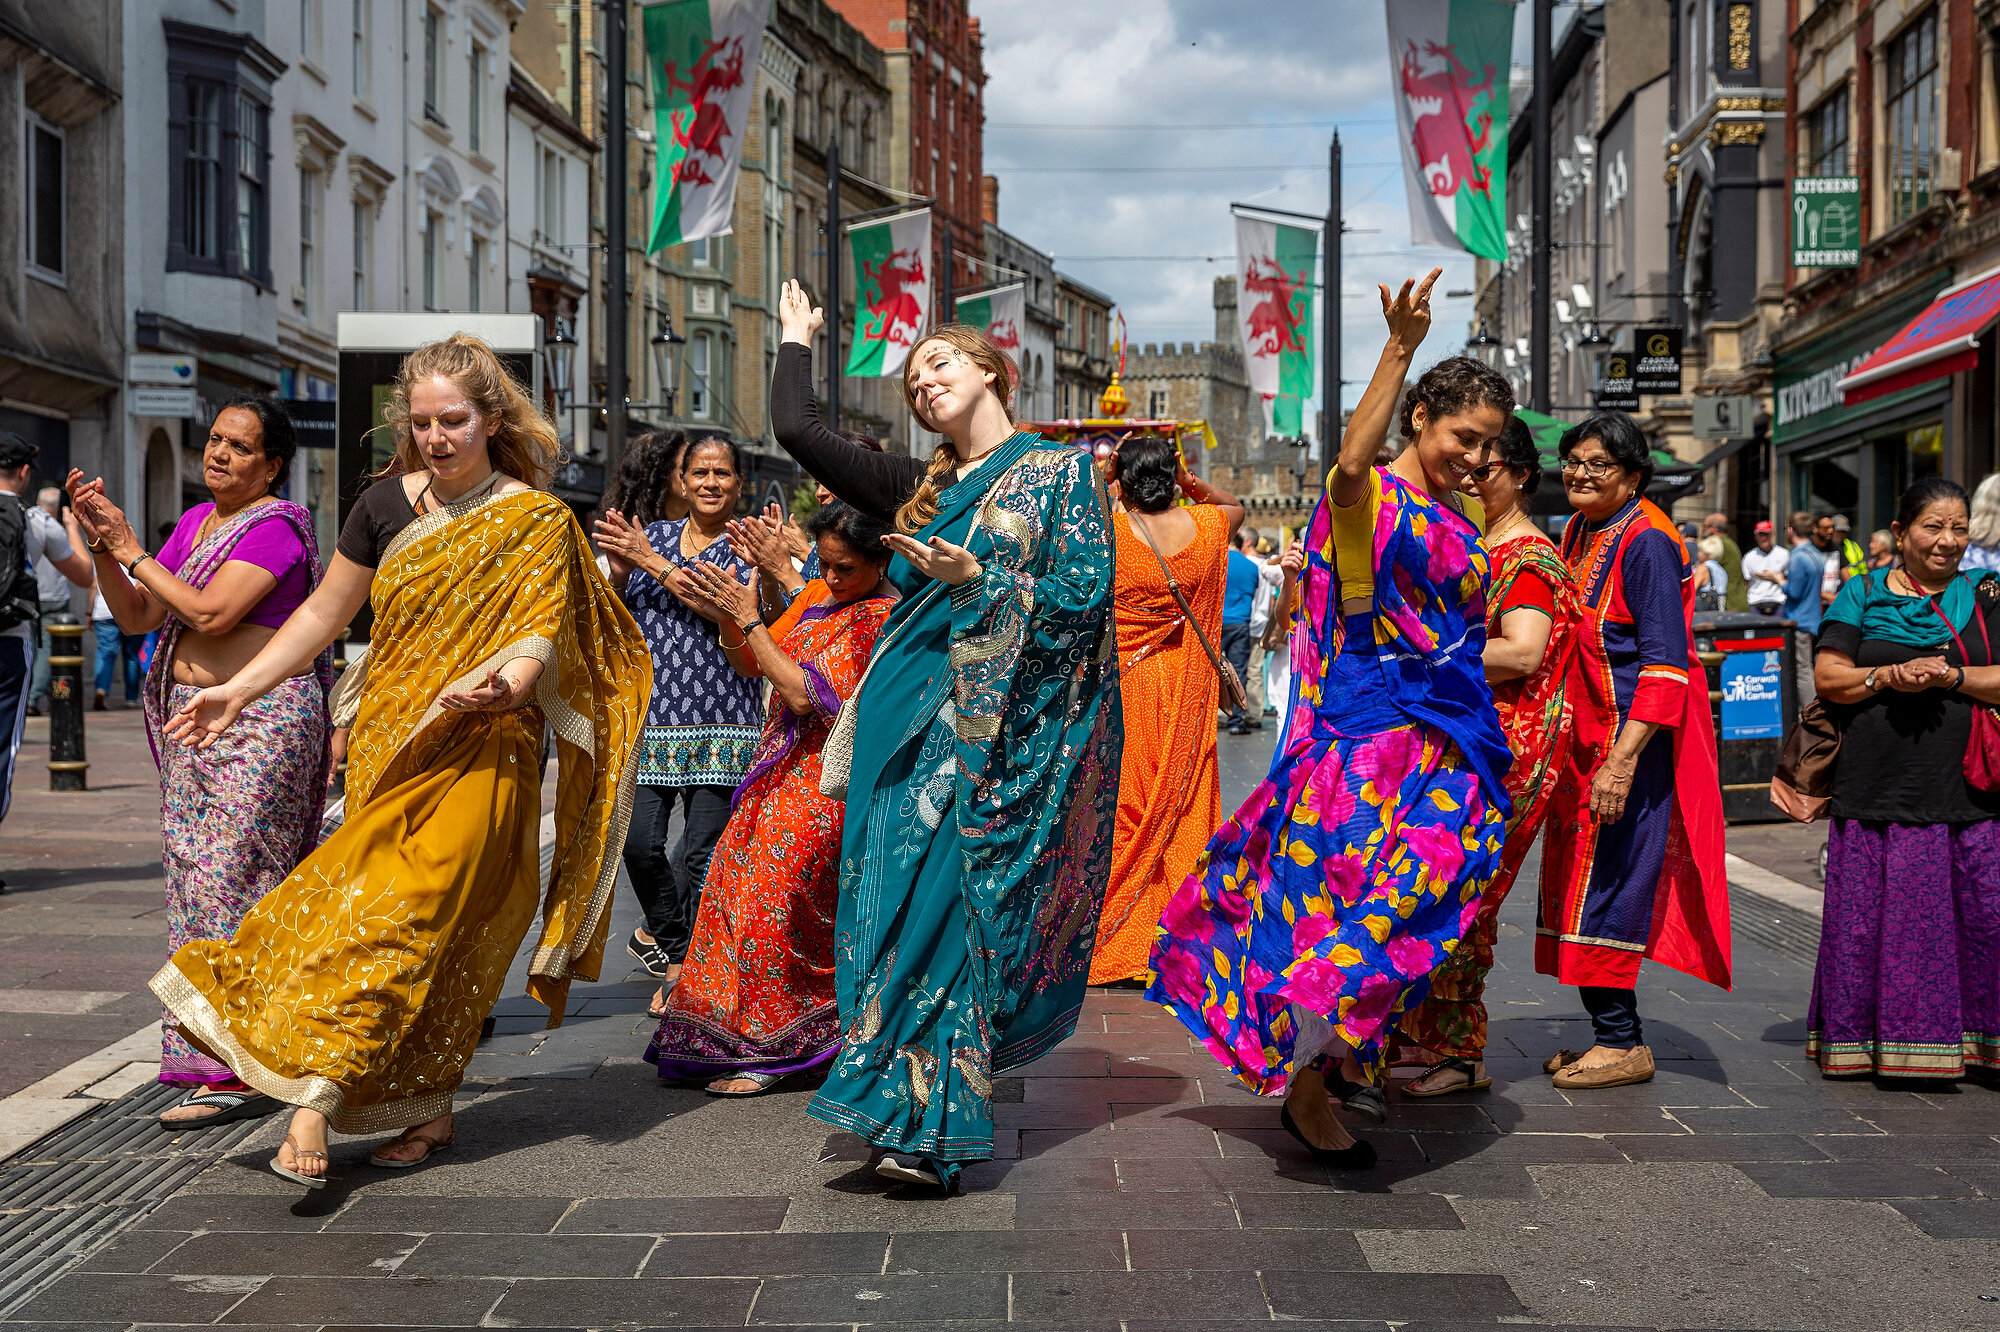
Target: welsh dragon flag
<point>1276,269</point>
<point>892,290</point>
<point>1450,60</point>
<point>999,313</point>
<point>703,58</point>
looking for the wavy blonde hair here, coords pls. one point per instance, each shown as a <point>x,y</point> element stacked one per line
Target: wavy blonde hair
<point>522,442</point>
<point>970,343</point>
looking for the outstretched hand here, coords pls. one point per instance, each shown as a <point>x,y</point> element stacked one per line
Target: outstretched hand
<point>201,720</point>
<point>797,315</point>
<point>760,539</point>
<point>949,564</point>
<point>1409,311</point>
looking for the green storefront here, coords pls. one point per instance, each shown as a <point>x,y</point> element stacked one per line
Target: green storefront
<point>1856,460</point>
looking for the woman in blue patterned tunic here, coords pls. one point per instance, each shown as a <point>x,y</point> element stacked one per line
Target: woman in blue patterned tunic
<point>985,747</point>
<point>705,720</point>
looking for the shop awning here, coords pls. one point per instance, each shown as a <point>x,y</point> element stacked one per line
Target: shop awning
<point>1941,341</point>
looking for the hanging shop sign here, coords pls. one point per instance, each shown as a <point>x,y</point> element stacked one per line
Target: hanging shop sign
<point>1657,360</point>
<point>1724,418</point>
<point>1615,392</point>
<point>1826,221</point>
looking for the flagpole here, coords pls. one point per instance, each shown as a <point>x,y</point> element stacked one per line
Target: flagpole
<point>1330,305</point>
<point>615,203</point>
<point>1539,278</point>
<point>947,313</point>
<point>835,363</point>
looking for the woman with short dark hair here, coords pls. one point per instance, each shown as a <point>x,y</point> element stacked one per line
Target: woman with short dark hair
<point>1169,799</point>
<point>239,816</point>
<point>1637,810</point>
<point>755,1002</point>
<point>1908,981</point>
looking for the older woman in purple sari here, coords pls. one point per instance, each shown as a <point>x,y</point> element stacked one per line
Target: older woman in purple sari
<point>238,816</point>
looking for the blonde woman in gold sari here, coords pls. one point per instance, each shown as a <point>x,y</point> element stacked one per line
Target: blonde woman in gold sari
<point>355,989</point>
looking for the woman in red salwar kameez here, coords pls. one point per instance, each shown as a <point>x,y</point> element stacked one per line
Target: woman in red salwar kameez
<point>755,1001</point>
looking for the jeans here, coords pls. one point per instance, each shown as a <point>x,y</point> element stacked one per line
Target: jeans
<point>668,883</point>
<point>17,664</point>
<point>38,691</point>
<point>1614,1015</point>
<point>109,640</point>
<point>1237,640</point>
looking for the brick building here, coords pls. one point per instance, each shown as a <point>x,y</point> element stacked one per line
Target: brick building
<point>937,82</point>
<point>1903,95</point>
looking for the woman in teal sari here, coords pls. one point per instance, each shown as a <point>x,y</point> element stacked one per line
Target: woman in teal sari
<point>985,749</point>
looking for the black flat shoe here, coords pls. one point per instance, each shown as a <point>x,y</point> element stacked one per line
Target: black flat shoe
<point>1358,1157</point>
<point>1359,1098</point>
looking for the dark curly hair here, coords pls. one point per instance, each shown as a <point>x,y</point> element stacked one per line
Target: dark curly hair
<point>853,528</point>
<point>1454,385</point>
<point>1146,468</point>
<point>1621,438</point>
<point>643,484</point>
<point>1518,451</point>
<point>276,433</point>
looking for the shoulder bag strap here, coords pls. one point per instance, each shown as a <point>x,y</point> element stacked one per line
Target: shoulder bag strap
<point>1180,597</point>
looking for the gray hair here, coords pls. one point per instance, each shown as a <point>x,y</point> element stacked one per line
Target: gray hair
<point>1985,529</point>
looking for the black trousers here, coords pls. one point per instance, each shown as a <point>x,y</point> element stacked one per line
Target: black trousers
<point>1237,640</point>
<point>17,664</point>
<point>1614,1015</point>
<point>668,883</point>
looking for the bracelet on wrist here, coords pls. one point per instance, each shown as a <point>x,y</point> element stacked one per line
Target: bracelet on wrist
<point>137,560</point>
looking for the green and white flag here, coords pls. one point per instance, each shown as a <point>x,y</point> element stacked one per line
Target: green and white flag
<point>1449,61</point>
<point>1277,269</point>
<point>999,313</point>
<point>892,290</point>
<point>703,58</point>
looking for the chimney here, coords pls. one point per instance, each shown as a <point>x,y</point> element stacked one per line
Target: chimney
<point>989,199</point>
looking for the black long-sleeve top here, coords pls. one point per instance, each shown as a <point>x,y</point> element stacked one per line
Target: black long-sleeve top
<point>875,483</point>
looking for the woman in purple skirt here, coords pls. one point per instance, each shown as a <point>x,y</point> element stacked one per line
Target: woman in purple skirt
<point>1908,983</point>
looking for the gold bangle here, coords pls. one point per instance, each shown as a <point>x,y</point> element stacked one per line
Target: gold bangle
<point>733,647</point>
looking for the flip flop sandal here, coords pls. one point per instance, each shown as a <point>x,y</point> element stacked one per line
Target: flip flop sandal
<point>1461,1066</point>
<point>230,1106</point>
<point>1559,1061</point>
<point>764,1081</point>
<point>298,1154</point>
<point>432,1146</point>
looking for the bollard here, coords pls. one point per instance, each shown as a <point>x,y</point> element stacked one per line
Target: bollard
<point>67,765</point>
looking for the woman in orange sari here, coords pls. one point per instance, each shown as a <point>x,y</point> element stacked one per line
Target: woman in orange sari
<point>755,1001</point>
<point>1168,799</point>
<point>1532,609</point>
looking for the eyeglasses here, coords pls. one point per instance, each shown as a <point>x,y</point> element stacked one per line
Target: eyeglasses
<point>1594,468</point>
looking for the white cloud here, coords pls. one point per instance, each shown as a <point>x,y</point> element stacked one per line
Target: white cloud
<point>1088,67</point>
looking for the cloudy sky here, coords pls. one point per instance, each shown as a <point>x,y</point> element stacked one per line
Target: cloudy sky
<point>1123,131</point>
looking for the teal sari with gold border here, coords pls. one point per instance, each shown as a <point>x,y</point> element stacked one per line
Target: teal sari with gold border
<point>979,811</point>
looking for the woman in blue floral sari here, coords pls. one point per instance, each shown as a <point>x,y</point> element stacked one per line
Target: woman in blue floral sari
<point>1319,911</point>
<point>984,772</point>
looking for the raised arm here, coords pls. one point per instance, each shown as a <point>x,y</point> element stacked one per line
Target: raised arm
<point>1409,316</point>
<point>875,483</point>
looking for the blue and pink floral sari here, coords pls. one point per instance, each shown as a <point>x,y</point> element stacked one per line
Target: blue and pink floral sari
<point>1354,869</point>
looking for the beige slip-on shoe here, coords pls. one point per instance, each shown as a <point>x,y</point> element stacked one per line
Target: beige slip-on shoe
<point>1634,1067</point>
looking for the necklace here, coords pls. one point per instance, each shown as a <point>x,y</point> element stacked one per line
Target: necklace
<point>492,479</point>
<point>689,529</point>
<point>216,519</point>
<point>1515,519</point>
<point>1917,589</point>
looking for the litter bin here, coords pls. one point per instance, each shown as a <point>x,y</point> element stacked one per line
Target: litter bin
<point>1753,699</point>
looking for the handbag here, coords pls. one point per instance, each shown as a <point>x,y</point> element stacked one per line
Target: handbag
<point>1803,784</point>
<point>1982,747</point>
<point>1234,699</point>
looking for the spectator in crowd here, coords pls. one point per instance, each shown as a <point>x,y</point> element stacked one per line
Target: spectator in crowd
<point>1239,597</point>
<point>1764,571</point>
<point>1711,580</point>
<point>1982,550</point>
<point>1908,981</point>
<point>111,641</point>
<point>52,585</point>
<point>1737,597</point>
<point>1853,559</point>
<point>1882,549</point>
<point>1830,535</point>
<point>1804,573</point>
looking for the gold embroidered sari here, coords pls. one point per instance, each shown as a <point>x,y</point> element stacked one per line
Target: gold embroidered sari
<point>357,987</point>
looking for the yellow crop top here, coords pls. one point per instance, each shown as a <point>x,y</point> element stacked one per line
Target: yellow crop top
<point>1354,534</point>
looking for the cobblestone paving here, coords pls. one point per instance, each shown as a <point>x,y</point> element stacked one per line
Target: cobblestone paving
<point>1136,1188</point>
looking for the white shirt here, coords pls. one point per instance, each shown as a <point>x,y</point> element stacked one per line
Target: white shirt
<point>1762,591</point>
<point>44,537</point>
<point>1269,577</point>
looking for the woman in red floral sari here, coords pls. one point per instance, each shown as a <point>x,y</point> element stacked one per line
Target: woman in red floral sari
<point>755,1001</point>
<point>1532,609</point>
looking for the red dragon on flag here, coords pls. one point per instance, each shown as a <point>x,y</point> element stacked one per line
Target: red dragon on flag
<point>895,312</point>
<point>1448,62</point>
<point>702,129</point>
<point>1438,85</point>
<point>1275,313</point>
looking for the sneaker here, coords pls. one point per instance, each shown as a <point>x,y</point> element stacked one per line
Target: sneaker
<point>1238,728</point>
<point>97,705</point>
<point>650,955</point>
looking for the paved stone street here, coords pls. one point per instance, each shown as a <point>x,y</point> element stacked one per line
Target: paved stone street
<point>1137,1188</point>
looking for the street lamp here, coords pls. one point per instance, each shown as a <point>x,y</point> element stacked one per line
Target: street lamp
<point>559,353</point>
<point>1483,344</point>
<point>1593,336</point>
<point>666,358</point>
